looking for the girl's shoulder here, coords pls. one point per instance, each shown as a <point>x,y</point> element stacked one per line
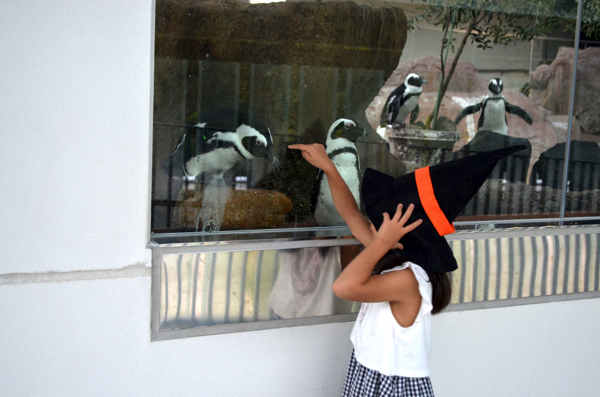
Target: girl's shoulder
<point>422,281</point>
<point>419,272</point>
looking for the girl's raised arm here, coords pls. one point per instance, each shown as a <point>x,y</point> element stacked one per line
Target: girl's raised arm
<point>344,202</point>
<point>356,282</point>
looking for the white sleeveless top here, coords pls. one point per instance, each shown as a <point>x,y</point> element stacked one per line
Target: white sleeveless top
<point>381,344</point>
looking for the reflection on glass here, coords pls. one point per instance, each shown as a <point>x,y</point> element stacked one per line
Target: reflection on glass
<point>235,83</point>
<point>304,282</point>
<point>235,287</point>
<point>239,287</point>
<point>216,288</point>
<point>506,268</point>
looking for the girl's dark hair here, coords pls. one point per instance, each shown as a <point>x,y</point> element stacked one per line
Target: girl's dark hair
<point>441,283</point>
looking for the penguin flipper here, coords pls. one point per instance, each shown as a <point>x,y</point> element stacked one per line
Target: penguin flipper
<point>414,115</point>
<point>392,104</point>
<point>391,110</point>
<point>383,120</point>
<point>468,110</point>
<point>519,111</point>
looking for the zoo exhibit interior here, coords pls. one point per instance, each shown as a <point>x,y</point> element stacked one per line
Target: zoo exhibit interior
<point>244,233</point>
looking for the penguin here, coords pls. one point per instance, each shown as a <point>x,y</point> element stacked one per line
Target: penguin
<point>341,150</point>
<point>493,110</point>
<point>403,101</point>
<point>217,143</point>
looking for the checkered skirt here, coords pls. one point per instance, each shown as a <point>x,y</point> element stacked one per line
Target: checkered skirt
<point>364,382</point>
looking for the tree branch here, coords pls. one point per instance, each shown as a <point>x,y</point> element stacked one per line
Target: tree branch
<point>446,82</point>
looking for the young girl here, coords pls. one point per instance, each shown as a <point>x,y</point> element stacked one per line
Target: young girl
<point>392,334</point>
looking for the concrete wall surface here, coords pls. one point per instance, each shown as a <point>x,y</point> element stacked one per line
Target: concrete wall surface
<point>75,133</point>
<point>91,338</point>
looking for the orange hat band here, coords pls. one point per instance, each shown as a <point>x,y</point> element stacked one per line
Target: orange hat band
<point>430,203</point>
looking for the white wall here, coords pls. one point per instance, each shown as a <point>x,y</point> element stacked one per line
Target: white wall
<point>74,143</point>
<point>75,100</point>
<point>91,338</point>
<point>545,350</point>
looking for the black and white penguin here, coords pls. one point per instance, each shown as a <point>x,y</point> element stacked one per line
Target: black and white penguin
<point>403,101</point>
<point>217,143</point>
<point>493,110</point>
<point>341,150</point>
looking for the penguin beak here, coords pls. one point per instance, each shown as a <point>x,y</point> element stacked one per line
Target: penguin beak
<point>423,81</point>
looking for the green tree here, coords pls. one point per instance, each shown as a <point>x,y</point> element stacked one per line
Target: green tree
<point>490,23</point>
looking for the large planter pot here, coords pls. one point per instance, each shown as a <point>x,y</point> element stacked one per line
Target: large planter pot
<point>421,147</point>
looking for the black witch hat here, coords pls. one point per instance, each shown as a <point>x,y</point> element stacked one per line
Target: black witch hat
<point>438,193</point>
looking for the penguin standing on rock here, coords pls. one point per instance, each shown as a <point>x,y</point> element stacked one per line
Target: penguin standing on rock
<point>403,101</point>
<point>217,143</point>
<point>493,110</point>
<point>341,150</point>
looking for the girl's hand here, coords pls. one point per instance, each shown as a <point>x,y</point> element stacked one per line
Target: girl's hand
<point>315,154</point>
<point>392,230</point>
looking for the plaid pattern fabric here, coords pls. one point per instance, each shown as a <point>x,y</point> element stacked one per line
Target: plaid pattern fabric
<point>364,382</point>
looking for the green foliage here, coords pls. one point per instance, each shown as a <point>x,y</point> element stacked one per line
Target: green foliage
<point>591,19</point>
<point>491,23</point>
<point>499,22</point>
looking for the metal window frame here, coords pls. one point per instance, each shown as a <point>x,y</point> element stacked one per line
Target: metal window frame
<point>158,250</point>
<point>161,244</point>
